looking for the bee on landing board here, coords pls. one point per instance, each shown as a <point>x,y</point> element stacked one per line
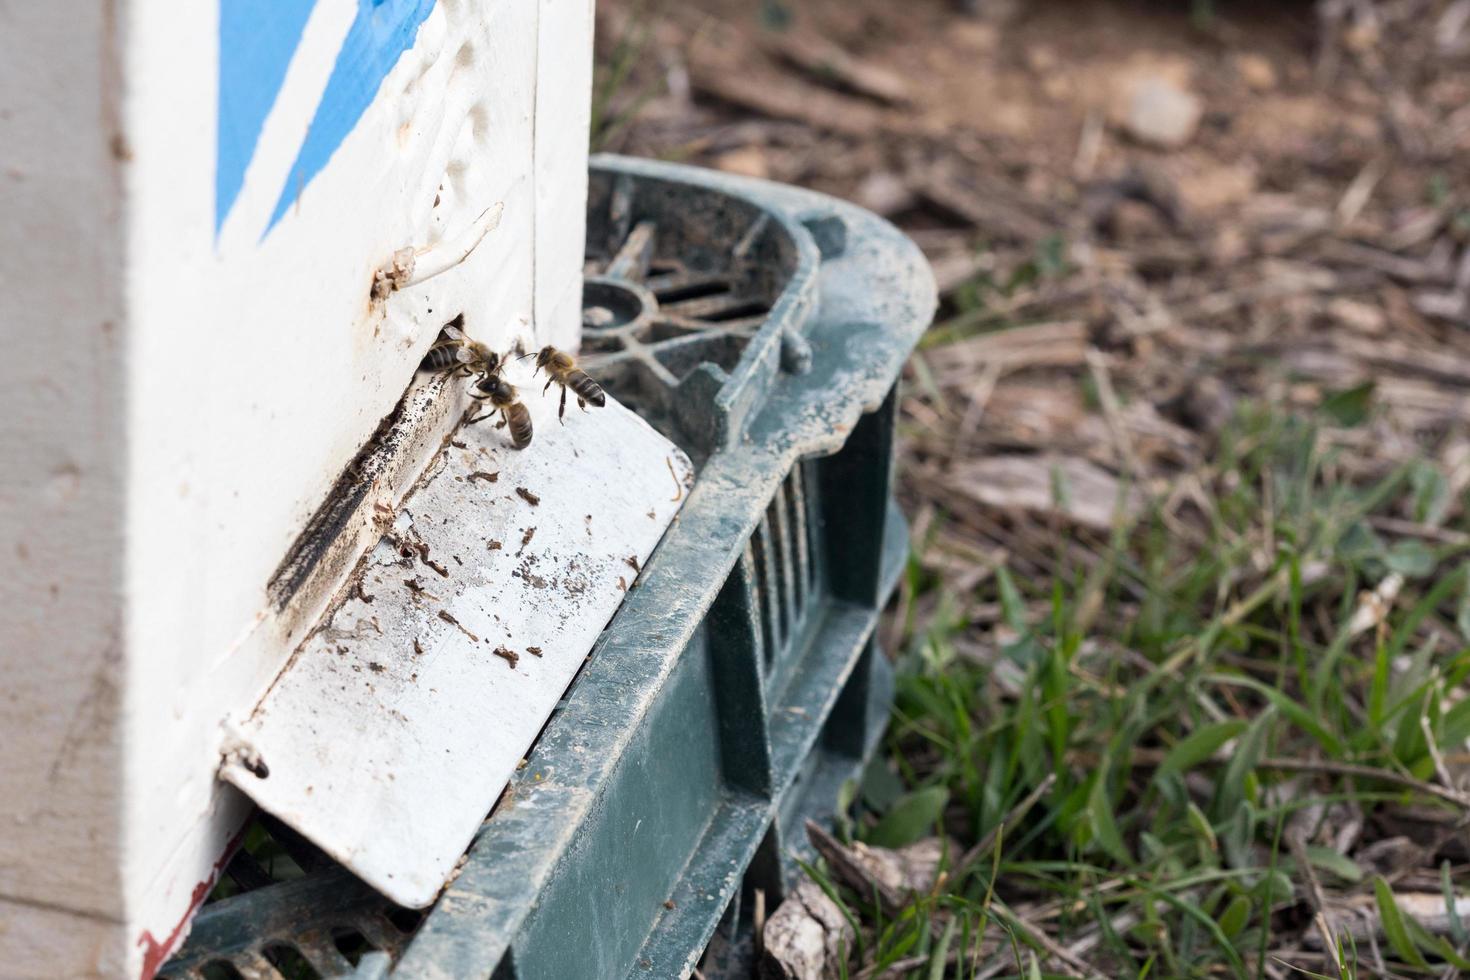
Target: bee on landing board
<point>502,398</point>
<point>458,353</point>
<point>562,368</point>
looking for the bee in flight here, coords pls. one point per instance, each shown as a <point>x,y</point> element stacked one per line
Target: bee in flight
<point>562,368</point>
<point>502,398</point>
<point>458,353</point>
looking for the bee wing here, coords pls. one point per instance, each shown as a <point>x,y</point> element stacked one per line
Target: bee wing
<point>455,333</point>
<point>464,355</point>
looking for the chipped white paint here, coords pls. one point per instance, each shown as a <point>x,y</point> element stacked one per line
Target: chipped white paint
<point>176,403</point>
<point>398,724</point>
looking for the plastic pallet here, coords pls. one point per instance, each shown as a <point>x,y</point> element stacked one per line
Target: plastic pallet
<point>763,329</point>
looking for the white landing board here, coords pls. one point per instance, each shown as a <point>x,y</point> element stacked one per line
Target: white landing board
<point>392,732</point>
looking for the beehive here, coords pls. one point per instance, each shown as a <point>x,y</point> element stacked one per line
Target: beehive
<point>197,200</point>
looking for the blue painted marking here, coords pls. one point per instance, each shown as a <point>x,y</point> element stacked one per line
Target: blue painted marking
<point>256,41</point>
<point>382,31</point>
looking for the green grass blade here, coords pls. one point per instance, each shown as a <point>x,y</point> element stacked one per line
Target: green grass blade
<point>1199,746</point>
<point>1452,904</point>
<point>1394,927</point>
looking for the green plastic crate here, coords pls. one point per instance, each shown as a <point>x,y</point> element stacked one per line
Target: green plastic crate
<point>763,329</point>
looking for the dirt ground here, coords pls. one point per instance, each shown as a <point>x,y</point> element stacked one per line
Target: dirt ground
<point>1142,217</point>
<point>1176,205</point>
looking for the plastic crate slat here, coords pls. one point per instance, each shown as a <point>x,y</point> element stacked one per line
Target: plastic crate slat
<point>748,571</point>
<point>791,606</point>
<point>254,966</point>
<point>809,487</point>
<point>796,719</point>
<point>232,925</point>
<point>793,499</point>
<point>379,932</point>
<point>318,949</point>
<point>770,642</point>
<point>631,260</point>
<point>679,934</point>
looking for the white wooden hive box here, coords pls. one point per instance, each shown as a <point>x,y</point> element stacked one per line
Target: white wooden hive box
<point>194,202</point>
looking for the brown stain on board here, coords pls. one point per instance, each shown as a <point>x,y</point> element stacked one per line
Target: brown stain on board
<point>156,952</point>
<point>444,615</point>
<point>423,549</point>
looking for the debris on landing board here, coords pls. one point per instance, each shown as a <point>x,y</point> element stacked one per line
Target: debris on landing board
<point>394,729</point>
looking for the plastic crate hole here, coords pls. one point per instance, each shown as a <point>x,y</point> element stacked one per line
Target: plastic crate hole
<point>601,343</point>
<point>737,311</point>
<point>681,359</point>
<point>697,289</point>
<point>617,305</point>
<point>633,384</point>
<point>226,887</point>
<point>220,970</point>
<point>666,329</point>
<point>405,920</point>
<point>351,944</point>
<point>290,964</point>
<point>276,862</point>
<point>262,860</point>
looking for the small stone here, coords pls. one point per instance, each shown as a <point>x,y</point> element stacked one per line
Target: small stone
<point>884,192</point>
<point>1206,405</point>
<point>1256,71</point>
<point>1362,317</point>
<point>1041,59</point>
<point>747,161</point>
<point>1161,113</point>
<point>1130,222</point>
<point>974,35</point>
<point>1362,36</point>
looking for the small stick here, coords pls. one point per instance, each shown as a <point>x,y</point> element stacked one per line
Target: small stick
<point>1367,772</point>
<point>758,922</point>
<point>1298,847</point>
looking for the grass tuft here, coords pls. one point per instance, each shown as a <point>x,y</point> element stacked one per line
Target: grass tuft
<point>1201,720</point>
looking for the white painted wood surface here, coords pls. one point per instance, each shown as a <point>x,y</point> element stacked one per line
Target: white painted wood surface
<point>177,400</point>
<point>394,730</point>
<point>61,492</point>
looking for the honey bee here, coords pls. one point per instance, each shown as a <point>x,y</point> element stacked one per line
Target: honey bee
<point>502,398</point>
<point>458,353</point>
<point>562,368</point>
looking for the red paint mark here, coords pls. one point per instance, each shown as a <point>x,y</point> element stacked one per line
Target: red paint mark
<point>155,952</point>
